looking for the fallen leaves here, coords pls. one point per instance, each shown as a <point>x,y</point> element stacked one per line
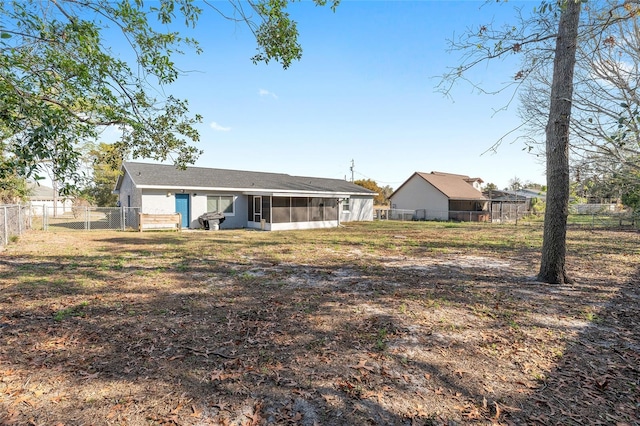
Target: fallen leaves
<point>375,339</point>
<point>362,365</point>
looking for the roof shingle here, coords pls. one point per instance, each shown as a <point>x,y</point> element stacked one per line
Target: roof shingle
<point>145,174</point>
<point>455,187</point>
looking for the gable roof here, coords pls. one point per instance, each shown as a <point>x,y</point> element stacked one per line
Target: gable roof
<point>145,175</point>
<point>453,186</point>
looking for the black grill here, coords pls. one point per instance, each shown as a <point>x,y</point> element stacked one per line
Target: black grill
<point>211,218</point>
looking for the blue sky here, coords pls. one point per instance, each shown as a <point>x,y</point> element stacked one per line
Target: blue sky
<point>364,90</point>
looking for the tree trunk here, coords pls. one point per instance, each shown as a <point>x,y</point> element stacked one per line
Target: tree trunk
<point>552,266</point>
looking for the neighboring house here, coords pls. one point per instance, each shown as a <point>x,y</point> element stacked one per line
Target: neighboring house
<point>442,196</point>
<point>523,196</point>
<point>43,198</point>
<point>594,208</point>
<point>595,205</point>
<point>532,193</point>
<point>269,201</point>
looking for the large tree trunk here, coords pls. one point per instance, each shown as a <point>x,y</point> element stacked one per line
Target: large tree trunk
<point>552,266</point>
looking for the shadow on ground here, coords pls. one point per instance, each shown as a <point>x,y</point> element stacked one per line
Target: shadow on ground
<point>147,330</point>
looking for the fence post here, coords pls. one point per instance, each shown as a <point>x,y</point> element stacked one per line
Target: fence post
<point>6,227</point>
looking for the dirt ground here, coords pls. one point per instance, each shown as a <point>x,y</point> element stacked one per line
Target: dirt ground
<point>380,324</point>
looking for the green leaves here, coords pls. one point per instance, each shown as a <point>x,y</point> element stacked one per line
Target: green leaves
<point>105,161</point>
<point>277,34</point>
<point>62,85</point>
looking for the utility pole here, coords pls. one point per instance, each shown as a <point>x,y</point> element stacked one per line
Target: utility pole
<point>351,168</point>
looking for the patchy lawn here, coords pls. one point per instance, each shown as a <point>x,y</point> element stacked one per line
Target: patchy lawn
<point>373,323</point>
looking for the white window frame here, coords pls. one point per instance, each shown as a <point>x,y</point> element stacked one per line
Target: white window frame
<point>346,205</point>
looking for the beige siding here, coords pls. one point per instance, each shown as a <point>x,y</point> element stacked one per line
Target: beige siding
<point>417,194</point>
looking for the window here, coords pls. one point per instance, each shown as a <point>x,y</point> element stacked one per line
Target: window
<point>220,203</point>
<point>346,205</point>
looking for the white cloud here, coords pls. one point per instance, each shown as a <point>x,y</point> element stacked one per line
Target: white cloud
<point>219,128</point>
<point>263,92</point>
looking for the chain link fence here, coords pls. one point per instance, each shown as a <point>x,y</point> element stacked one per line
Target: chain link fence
<point>605,220</point>
<point>17,219</point>
<point>87,218</point>
<point>518,215</point>
<point>505,212</point>
<point>14,221</point>
<point>424,214</point>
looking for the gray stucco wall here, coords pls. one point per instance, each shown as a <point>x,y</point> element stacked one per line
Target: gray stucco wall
<point>157,201</point>
<point>360,209</point>
<point>198,206</point>
<point>239,219</point>
<point>129,194</point>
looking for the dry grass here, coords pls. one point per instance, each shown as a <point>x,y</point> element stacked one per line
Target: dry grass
<point>374,323</point>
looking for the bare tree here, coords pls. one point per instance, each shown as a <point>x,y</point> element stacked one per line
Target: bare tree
<point>552,33</point>
<point>605,134</point>
<point>515,183</point>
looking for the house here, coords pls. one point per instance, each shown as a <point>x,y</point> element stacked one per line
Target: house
<point>527,197</point>
<point>269,201</point>
<point>442,196</point>
<point>45,200</point>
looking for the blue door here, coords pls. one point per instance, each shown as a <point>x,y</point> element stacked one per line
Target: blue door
<point>182,207</point>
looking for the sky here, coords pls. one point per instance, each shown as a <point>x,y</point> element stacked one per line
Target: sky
<point>364,91</point>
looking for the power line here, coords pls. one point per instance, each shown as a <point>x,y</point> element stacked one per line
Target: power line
<point>377,181</point>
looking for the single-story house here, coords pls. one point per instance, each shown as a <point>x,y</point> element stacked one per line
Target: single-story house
<point>442,196</point>
<point>45,200</point>
<point>268,201</point>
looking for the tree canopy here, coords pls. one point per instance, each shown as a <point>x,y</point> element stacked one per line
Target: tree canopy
<point>382,197</point>
<point>104,162</point>
<point>62,82</point>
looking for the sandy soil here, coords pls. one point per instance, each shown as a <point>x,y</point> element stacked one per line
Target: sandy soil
<point>242,328</point>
